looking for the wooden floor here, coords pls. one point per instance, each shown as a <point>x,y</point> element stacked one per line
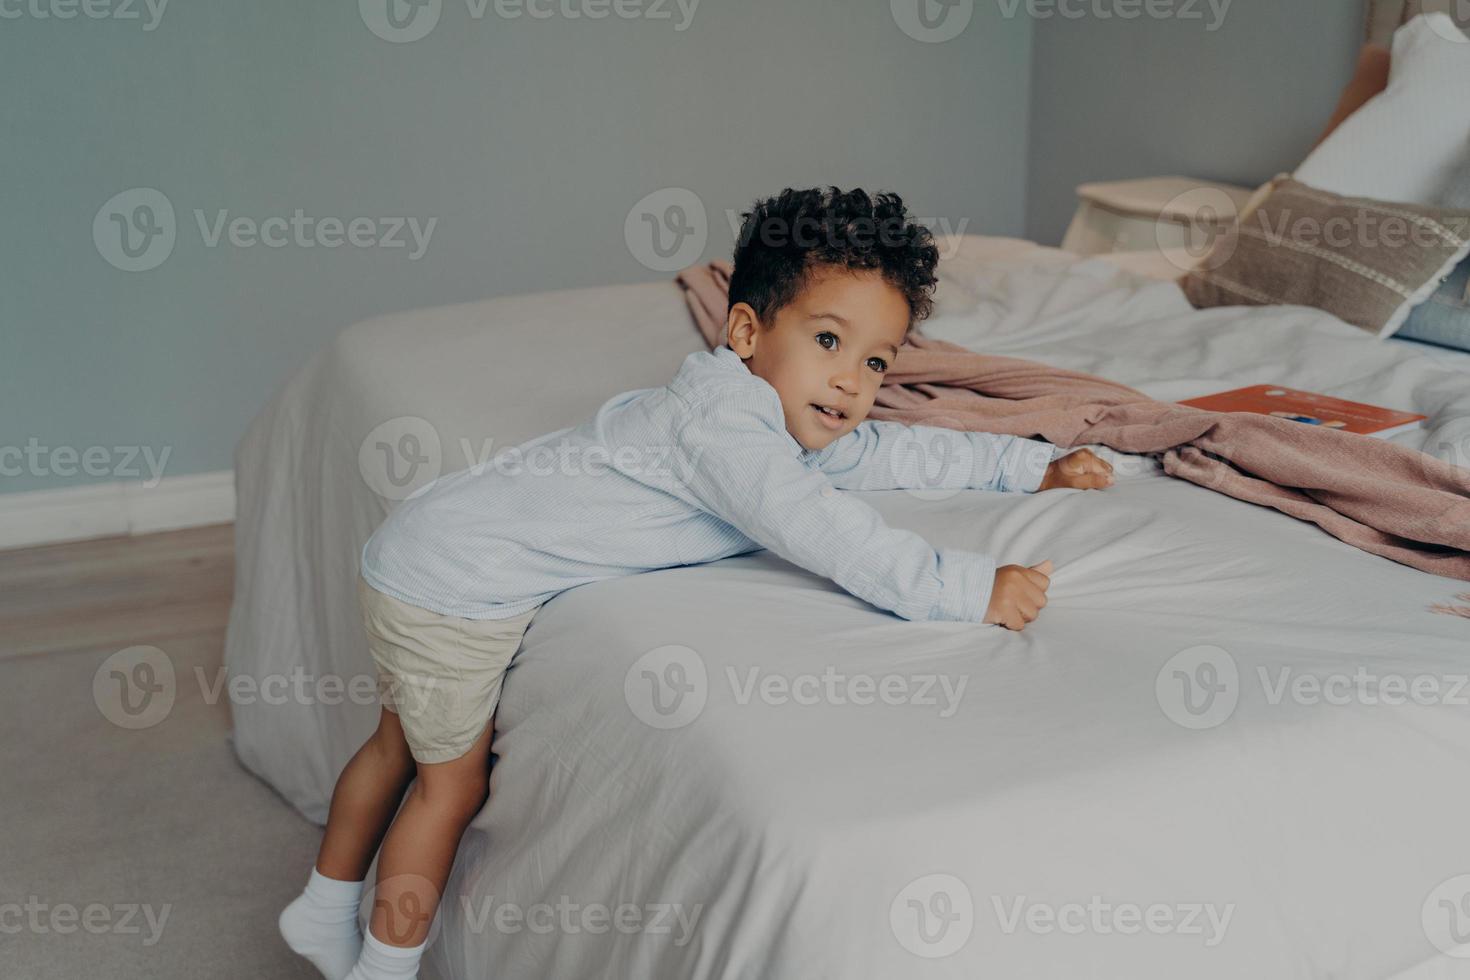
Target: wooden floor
<point>116,592</point>
<point>162,819</point>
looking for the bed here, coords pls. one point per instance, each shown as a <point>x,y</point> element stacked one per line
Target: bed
<point>1141,784</point>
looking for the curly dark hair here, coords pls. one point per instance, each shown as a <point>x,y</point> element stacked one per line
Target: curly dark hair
<point>783,238</point>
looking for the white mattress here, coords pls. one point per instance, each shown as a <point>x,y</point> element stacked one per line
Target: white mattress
<point>1446,356</point>
<point>1067,777</point>
<point>1169,264</point>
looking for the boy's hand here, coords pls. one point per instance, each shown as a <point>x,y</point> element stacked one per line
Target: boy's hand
<point>1082,470</point>
<point>1018,594</point>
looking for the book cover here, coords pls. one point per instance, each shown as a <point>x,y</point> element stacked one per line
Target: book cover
<point>1310,409</point>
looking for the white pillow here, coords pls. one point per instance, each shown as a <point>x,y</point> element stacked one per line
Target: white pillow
<point>1405,142</point>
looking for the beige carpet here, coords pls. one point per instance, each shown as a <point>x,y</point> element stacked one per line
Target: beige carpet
<point>146,853</point>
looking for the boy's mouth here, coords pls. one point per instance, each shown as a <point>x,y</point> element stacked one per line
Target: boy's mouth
<point>832,418</point>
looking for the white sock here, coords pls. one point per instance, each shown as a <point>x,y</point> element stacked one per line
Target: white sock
<point>379,961</point>
<point>321,924</point>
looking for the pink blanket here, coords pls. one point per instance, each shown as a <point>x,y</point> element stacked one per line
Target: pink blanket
<point>1383,498</point>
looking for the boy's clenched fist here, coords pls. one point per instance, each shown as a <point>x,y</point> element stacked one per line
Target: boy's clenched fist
<point>1018,594</point>
<point>1082,470</point>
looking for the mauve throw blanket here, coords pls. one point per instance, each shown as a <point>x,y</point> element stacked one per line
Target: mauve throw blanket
<point>1383,498</point>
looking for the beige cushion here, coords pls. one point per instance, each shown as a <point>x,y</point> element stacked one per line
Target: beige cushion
<point>1162,198</point>
<point>1367,262</point>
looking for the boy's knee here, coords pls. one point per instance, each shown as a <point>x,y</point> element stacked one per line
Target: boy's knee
<point>460,793</point>
<point>390,744</point>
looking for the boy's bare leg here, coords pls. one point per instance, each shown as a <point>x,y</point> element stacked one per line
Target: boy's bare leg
<point>363,803</point>
<point>321,924</point>
<point>419,850</point>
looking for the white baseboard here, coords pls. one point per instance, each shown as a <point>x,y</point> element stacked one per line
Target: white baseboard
<point>125,507</point>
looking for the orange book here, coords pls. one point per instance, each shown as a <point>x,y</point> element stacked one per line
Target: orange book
<point>1312,409</point>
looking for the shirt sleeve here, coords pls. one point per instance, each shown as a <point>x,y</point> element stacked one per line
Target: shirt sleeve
<point>742,466</point>
<point>893,456</point>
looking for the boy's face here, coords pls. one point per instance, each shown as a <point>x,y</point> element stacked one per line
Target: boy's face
<point>829,347</point>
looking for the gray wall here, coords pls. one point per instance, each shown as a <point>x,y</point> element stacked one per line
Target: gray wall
<point>1115,99</point>
<point>529,139</point>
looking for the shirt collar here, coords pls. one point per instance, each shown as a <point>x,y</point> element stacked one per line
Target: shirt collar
<point>726,358</point>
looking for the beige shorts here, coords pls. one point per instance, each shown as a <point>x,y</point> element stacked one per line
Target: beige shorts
<point>440,674</point>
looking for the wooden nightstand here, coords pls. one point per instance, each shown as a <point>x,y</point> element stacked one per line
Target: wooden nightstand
<point>1158,214</point>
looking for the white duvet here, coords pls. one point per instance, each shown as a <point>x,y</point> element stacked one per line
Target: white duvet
<point>1232,746</point>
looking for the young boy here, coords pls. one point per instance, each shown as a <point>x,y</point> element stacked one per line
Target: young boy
<point>744,449</point>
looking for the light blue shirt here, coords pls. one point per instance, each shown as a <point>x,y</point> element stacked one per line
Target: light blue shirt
<point>698,470</point>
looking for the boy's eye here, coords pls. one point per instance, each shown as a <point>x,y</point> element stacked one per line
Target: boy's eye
<point>876,363</point>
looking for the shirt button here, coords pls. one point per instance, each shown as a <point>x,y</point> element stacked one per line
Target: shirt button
<point>828,491</point>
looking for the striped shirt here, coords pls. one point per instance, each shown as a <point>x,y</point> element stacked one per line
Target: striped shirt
<point>698,470</point>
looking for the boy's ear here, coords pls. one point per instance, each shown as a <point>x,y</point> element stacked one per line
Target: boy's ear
<point>742,327</point>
